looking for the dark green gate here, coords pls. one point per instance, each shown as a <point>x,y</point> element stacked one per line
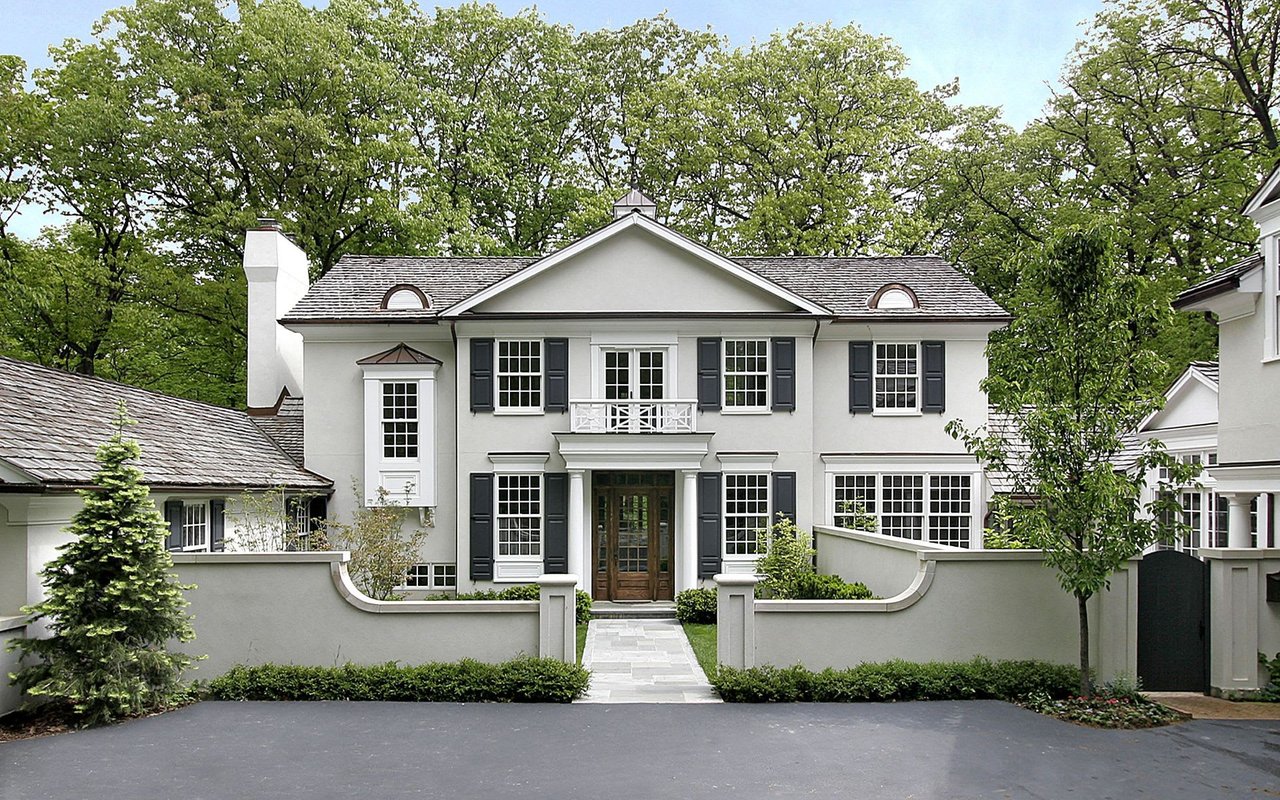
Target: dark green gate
<point>1173,622</point>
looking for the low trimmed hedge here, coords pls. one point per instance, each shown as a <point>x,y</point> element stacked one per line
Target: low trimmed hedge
<point>521,680</point>
<point>812,586</point>
<point>897,680</point>
<point>696,606</point>
<point>530,591</point>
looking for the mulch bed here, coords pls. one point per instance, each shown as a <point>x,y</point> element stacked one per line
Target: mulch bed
<point>33,724</point>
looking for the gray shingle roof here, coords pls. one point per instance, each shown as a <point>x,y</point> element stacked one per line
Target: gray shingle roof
<point>285,427</point>
<point>1209,369</point>
<point>1218,282</point>
<point>53,422</point>
<point>1004,425</point>
<point>353,289</point>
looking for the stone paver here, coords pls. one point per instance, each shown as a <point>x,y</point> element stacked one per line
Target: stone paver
<point>643,661</point>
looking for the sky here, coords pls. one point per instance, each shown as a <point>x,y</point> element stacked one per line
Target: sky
<point>1005,53</point>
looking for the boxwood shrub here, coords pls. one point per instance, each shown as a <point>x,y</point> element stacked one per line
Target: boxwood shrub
<point>521,680</point>
<point>529,591</point>
<point>696,606</point>
<point>897,680</point>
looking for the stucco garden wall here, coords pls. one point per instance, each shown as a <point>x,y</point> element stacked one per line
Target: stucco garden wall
<point>11,628</point>
<point>954,605</point>
<point>301,608</point>
<point>1241,621</point>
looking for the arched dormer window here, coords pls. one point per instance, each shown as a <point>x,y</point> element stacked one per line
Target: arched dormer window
<point>892,296</point>
<point>403,297</point>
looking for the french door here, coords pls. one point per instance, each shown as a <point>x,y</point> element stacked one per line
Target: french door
<point>632,532</point>
<point>633,376</point>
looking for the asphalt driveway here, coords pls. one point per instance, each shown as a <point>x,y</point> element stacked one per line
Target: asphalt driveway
<point>969,749</point>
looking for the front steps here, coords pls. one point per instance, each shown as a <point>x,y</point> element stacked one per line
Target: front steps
<point>660,609</point>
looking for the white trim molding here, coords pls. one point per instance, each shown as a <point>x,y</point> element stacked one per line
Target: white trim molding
<point>747,462</point>
<point>519,462</point>
<point>665,451</point>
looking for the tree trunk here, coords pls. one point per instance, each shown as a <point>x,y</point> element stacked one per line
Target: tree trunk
<point>1086,685</point>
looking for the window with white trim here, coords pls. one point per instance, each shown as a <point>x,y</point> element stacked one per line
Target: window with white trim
<point>431,576</point>
<point>195,526</point>
<point>932,507</point>
<point>746,512</point>
<point>400,419</point>
<point>746,373</point>
<point>519,515</point>
<point>897,376</point>
<point>519,374</point>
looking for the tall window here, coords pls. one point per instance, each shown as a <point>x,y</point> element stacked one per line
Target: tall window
<point>519,374</point>
<point>746,512</point>
<point>519,515</point>
<point>746,373</point>
<point>934,508</point>
<point>195,526</point>
<point>399,420</point>
<point>897,375</point>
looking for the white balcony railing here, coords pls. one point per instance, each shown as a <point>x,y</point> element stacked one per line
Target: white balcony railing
<point>632,416</point>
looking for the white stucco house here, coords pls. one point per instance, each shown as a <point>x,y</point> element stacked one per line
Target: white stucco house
<point>1245,297</point>
<point>631,408</point>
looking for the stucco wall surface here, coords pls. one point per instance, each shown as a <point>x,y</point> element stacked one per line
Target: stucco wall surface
<point>1241,621</point>
<point>11,628</point>
<point>1248,430</point>
<point>299,608</point>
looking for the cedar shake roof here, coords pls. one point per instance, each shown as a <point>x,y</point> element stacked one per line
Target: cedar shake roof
<point>400,354</point>
<point>1016,449</point>
<point>53,422</point>
<point>1221,281</point>
<point>352,291</point>
<point>285,427</point>
<point>1209,369</point>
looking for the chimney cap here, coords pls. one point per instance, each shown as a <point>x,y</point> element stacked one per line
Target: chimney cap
<point>632,202</point>
<point>268,224</point>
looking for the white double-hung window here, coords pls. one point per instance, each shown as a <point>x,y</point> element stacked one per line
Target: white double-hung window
<point>939,503</point>
<point>519,516</point>
<point>519,376</point>
<point>746,375</point>
<point>746,513</point>
<point>897,377</point>
<point>195,526</point>
<point>399,427</point>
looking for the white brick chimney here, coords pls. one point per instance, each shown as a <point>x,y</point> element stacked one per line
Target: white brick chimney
<point>277,271</point>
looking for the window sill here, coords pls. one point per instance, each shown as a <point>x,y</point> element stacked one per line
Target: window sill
<point>1271,359</point>
<point>518,412</point>
<point>889,412</point>
<point>744,412</point>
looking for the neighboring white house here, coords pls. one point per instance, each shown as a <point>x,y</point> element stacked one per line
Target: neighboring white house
<point>633,407</point>
<point>1246,299</point>
<point>199,461</point>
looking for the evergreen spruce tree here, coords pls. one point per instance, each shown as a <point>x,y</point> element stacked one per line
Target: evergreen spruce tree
<point>113,606</point>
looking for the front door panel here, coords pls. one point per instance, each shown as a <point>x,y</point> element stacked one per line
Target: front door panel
<point>632,530</point>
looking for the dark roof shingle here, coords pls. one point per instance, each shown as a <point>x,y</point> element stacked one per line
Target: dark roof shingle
<point>53,422</point>
<point>1218,282</point>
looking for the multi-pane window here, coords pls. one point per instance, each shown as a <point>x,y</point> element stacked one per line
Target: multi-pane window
<point>897,376</point>
<point>519,374</point>
<point>195,526</point>
<point>400,419</point>
<point>746,373</point>
<point>432,576</point>
<point>936,508</point>
<point>950,509</point>
<point>1192,516</point>
<point>746,512</point>
<point>519,516</point>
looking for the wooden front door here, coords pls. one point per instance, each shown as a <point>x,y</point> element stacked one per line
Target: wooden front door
<point>632,530</point>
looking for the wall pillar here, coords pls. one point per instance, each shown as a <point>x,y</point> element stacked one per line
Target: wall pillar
<point>688,560</point>
<point>1238,518</point>
<point>736,620</point>
<point>557,618</point>
<point>1233,621</point>
<point>577,548</point>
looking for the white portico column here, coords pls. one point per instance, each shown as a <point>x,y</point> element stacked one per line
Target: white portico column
<point>689,532</point>
<point>577,547</point>
<point>1238,518</point>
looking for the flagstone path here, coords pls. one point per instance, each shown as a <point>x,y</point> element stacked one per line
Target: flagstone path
<point>643,661</point>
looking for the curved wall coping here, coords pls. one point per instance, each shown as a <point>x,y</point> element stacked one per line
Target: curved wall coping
<point>918,588</point>
<point>337,561</point>
<point>891,542</point>
<point>1239,553</point>
<point>13,623</point>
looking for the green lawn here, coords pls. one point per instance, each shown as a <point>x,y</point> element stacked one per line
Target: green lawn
<point>582,640</point>
<point>702,637</point>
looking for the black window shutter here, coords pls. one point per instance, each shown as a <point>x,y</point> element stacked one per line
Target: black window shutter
<point>481,374</point>
<point>784,495</point>
<point>555,488</point>
<point>935,376</point>
<point>709,524</point>
<point>481,526</point>
<point>555,372</point>
<point>708,374</point>
<point>173,516</point>
<point>217,525</point>
<point>859,377</point>
<point>784,374</point>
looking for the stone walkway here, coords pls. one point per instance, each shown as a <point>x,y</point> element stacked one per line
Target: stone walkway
<point>643,661</point>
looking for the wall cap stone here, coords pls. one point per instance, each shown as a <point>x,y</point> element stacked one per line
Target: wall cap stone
<point>558,579</point>
<point>918,588</point>
<point>725,579</point>
<point>279,557</point>
<point>13,623</point>
<point>1239,553</point>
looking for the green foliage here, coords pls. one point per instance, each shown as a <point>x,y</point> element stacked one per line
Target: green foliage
<point>521,680</point>
<point>1074,374</point>
<point>702,638</point>
<point>1270,692</point>
<point>381,552</point>
<point>813,586</point>
<point>856,517</point>
<point>896,681</point>
<point>788,555</point>
<point>1118,704</point>
<point>1002,540</point>
<point>696,606</point>
<point>529,591</point>
<point>112,606</point>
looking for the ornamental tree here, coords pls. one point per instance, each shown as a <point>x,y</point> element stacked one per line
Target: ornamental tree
<point>1073,374</point>
<point>113,606</point>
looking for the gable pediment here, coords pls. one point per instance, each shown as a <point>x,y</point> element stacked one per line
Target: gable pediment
<point>1191,402</point>
<point>636,266</point>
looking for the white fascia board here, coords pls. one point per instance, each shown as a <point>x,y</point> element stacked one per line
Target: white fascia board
<point>895,462</point>
<point>613,229</point>
<point>1230,305</point>
<point>1188,375</point>
<point>1259,200</point>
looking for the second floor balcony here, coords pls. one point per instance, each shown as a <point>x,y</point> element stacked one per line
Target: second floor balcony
<point>633,416</point>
